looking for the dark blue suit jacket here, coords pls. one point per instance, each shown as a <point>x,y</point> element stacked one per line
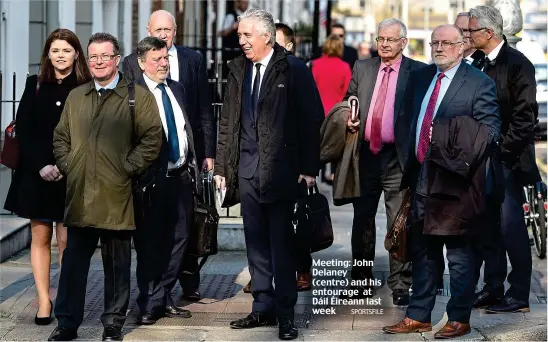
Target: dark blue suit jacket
<point>197,97</point>
<point>471,93</point>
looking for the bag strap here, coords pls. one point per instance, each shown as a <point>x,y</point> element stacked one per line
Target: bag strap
<point>131,93</point>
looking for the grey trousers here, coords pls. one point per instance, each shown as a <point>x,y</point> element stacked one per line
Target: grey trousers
<point>380,173</point>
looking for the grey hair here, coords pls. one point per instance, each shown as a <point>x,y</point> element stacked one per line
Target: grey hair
<point>488,17</point>
<point>460,34</point>
<point>393,21</point>
<point>265,19</point>
<point>147,44</point>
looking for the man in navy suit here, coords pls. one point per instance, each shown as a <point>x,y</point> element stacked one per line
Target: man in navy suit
<point>447,89</point>
<point>188,67</point>
<point>164,219</point>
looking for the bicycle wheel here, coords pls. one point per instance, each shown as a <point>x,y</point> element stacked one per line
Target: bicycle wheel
<point>539,226</point>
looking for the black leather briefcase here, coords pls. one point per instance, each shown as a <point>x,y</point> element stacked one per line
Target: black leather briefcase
<point>203,237</point>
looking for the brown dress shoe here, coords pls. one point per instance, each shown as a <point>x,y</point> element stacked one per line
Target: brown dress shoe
<point>247,288</point>
<point>453,329</point>
<point>304,281</point>
<point>406,326</point>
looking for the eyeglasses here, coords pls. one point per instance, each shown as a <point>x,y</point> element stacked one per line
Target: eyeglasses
<point>444,44</point>
<point>389,40</point>
<point>476,30</point>
<point>104,58</point>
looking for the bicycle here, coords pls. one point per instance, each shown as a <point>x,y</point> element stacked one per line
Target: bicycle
<point>535,208</point>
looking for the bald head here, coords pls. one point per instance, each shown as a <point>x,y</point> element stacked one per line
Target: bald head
<point>162,24</point>
<point>447,46</point>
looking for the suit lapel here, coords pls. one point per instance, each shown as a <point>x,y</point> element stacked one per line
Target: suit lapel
<point>456,84</point>
<point>367,91</point>
<point>403,77</point>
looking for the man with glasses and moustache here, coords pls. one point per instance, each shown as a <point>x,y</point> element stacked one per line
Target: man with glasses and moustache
<point>442,91</point>
<point>99,148</point>
<point>380,84</point>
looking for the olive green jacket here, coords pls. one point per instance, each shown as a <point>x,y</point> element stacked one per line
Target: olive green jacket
<point>93,148</point>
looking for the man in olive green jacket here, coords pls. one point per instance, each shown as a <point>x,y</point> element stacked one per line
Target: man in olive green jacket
<point>99,148</point>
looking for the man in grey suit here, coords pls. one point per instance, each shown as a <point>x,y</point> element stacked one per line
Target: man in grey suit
<point>380,84</point>
<point>442,211</point>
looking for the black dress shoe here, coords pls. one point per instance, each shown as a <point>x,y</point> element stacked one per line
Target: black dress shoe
<point>484,299</point>
<point>288,330</point>
<point>400,297</point>
<point>175,311</point>
<point>192,295</point>
<point>254,320</point>
<point>509,305</point>
<point>150,317</point>
<point>112,333</point>
<point>63,334</point>
<point>44,320</point>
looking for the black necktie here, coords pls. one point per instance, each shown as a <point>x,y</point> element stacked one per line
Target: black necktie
<point>256,89</point>
<point>101,91</point>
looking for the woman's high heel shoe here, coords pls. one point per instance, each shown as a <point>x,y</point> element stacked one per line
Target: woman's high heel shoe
<point>44,320</point>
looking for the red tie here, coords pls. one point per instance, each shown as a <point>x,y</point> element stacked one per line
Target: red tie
<point>375,141</point>
<point>424,138</point>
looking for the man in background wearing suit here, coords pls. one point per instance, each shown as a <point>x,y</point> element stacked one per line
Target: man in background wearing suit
<point>516,91</point>
<point>164,219</point>
<point>444,90</point>
<point>380,84</point>
<point>471,55</point>
<point>189,68</point>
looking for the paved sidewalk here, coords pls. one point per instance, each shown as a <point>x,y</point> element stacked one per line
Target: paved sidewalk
<point>223,277</point>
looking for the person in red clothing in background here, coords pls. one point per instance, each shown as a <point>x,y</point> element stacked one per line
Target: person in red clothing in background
<point>332,76</point>
<point>331,73</point>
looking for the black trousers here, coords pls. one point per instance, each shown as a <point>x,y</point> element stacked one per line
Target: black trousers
<point>378,173</point>
<point>189,278</point>
<point>116,255</point>
<point>161,240</point>
<point>425,256</point>
<point>269,238</point>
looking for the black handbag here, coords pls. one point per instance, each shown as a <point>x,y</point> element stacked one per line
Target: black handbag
<point>312,220</point>
<point>203,237</point>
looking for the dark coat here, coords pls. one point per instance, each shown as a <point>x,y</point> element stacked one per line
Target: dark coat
<point>197,100</point>
<point>516,91</point>
<point>456,176</point>
<point>290,114</point>
<point>340,146</point>
<point>471,93</point>
<point>156,172</point>
<point>39,112</point>
<point>362,85</point>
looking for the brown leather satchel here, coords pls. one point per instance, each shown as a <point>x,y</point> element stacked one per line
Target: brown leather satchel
<point>395,240</point>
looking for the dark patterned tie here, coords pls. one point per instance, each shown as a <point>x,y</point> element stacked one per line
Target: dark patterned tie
<point>172,138</point>
<point>256,90</point>
<point>424,138</point>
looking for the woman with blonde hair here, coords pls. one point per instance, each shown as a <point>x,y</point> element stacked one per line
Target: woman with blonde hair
<point>37,190</point>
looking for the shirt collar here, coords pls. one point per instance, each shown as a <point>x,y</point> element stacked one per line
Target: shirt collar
<point>172,50</point>
<point>449,73</point>
<point>150,83</point>
<point>395,66</point>
<point>264,62</point>
<point>111,85</point>
<point>493,54</point>
<point>470,59</point>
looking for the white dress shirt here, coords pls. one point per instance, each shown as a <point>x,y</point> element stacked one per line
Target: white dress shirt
<point>111,85</point>
<point>264,63</point>
<point>494,54</point>
<point>173,63</point>
<point>469,59</point>
<point>445,83</point>
<point>179,119</point>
